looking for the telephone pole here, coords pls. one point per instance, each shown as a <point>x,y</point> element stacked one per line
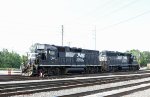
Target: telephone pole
<point>95,36</point>
<point>62,34</point>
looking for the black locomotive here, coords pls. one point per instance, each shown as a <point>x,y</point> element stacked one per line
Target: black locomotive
<point>55,60</point>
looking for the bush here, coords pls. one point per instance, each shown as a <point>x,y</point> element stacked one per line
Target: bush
<point>9,59</point>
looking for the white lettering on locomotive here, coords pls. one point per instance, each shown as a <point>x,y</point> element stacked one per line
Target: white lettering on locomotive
<point>70,54</point>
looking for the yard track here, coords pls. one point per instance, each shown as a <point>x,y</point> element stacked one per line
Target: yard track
<point>110,89</point>
<point>43,86</point>
<point>4,78</point>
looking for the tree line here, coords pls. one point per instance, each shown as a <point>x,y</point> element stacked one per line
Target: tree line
<point>143,57</point>
<point>14,60</point>
<point>11,59</point>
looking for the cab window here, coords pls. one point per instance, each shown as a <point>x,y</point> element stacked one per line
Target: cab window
<point>52,53</point>
<point>42,54</point>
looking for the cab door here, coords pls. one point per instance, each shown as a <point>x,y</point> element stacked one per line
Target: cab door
<point>52,57</point>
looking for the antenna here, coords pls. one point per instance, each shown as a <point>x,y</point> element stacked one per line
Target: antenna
<point>95,36</point>
<point>62,34</point>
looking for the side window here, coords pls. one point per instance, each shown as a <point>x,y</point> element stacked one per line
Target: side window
<point>52,53</point>
<point>43,55</point>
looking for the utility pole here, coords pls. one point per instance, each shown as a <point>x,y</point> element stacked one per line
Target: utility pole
<point>95,36</point>
<point>62,34</point>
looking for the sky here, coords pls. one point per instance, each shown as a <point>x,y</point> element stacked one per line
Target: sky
<point>118,25</point>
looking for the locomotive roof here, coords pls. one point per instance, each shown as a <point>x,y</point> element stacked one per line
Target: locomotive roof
<point>45,46</point>
<point>63,48</point>
<point>116,53</point>
<point>74,49</point>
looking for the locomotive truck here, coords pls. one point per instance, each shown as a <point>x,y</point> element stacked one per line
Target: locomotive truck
<point>58,60</point>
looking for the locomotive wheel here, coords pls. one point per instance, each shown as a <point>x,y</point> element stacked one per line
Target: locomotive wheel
<point>92,70</point>
<point>137,67</point>
<point>87,70</point>
<point>131,68</point>
<point>56,71</point>
<point>113,69</point>
<point>134,68</point>
<point>97,70</point>
<point>63,71</point>
<point>102,70</point>
<point>49,71</point>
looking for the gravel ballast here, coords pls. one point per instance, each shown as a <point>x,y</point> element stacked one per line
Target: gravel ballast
<point>144,93</point>
<point>75,78</point>
<point>82,89</point>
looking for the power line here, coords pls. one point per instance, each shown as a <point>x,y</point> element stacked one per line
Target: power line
<point>95,9</point>
<point>120,8</point>
<point>101,7</point>
<point>109,13</point>
<point>116,10</point>
<point>129,19</point>
<point>113,11</point>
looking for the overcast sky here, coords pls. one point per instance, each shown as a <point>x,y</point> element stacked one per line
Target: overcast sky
<point>120,24</point>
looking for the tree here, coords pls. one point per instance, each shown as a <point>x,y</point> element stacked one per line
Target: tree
<point>137,54</point>
<point>145,57</point>
<point>142,57</point>
<point>9,59</point>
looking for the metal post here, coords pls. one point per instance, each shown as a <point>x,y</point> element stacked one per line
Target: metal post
<point>62,33</point>
<point>95,37</point>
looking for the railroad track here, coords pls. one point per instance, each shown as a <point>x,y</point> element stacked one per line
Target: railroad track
<point>116,92</point>
<point>22,78</point>
<point>43,86</point>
